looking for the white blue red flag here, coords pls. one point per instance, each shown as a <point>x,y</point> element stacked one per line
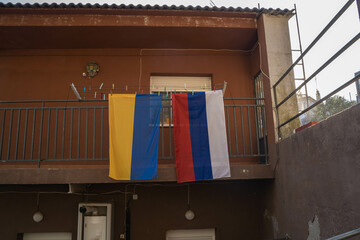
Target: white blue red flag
<point>201,149</point>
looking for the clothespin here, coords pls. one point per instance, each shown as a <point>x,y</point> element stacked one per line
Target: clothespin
<point>192,92</point>
<point>84,89</point>
<point>185,86</point>
<point>95,95</point>
<point>104,96</point>
<point>142,91</point>
<point>158,93</point>
<point>121,90</point>
<point>205,86</point>
<point>113,86</point>
<point>166,92</point>
<point>153,87</point>
<point>111,92</point>
<point>126,88</point>
<point>101,85</point>
<point>224,88</point>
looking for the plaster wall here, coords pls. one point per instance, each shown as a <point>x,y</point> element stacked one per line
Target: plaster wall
<point>47,74</point>
<point>316,189</point>
<point>274,37</point>
<point>234,209</point>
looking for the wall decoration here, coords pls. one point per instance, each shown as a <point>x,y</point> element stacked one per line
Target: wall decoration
<point>92,68</point>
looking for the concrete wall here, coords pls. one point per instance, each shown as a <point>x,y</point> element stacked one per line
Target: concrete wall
<point>316,191</point>
<point>274,40</point>
<point>234,209</point>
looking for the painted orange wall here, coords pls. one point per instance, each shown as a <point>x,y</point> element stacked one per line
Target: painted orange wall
<point>47,74</point>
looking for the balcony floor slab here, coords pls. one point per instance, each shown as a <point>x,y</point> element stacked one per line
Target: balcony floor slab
<point>99,174</point>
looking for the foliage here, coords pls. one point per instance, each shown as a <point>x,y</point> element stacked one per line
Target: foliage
<point>332,106</point>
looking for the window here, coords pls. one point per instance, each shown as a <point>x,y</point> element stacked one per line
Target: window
<point>47,236</point>
<point>166,85</point>
<point>191,234</point>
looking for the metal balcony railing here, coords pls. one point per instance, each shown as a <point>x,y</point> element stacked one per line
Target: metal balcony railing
<point>280,102</point>
<point>71,130</point>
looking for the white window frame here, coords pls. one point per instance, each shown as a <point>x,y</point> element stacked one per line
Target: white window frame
<point>48,236</point>
<point>191,234</point>
<point>178,84</point>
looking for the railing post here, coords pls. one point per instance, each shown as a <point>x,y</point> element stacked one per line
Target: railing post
<point>41,128</point>
<point>2,133</point>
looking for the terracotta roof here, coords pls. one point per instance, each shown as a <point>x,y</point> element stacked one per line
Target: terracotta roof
<point>145,7</point>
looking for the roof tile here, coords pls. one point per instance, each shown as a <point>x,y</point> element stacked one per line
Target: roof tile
<point>272,11</point>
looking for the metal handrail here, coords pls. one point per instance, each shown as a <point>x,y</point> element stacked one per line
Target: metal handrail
<point>354,79</point>
<point>96,100</point>
<point>327,27</point>
<point>30,131</point>
<point>346,235</point>
<point>330,60</point>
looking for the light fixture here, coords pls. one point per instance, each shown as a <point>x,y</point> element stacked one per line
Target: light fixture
<point>38,216</point>
<point>189,214</point>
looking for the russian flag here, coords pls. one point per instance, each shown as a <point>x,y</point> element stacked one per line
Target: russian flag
<point>134,122</point>
<point>201,149</point>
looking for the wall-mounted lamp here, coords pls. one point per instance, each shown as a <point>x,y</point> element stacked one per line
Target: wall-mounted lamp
<point>189,214</point>
<point>38,216</point>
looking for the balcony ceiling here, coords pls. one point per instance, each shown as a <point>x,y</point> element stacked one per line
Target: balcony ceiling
<point>69,37</point>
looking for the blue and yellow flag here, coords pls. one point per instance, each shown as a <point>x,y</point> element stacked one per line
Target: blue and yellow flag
<point>134,122</point>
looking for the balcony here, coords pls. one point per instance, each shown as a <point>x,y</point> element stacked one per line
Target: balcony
<point>73,138</point>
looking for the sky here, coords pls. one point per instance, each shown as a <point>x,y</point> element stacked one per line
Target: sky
<point>313,16</point>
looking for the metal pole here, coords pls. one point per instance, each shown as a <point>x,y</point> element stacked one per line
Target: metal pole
<point>302,61</point>
<point>346,235</point>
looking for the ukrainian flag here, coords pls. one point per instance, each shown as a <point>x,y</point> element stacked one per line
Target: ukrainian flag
<point>134,122</point>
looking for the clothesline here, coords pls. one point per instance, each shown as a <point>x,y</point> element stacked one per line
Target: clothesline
<point>103,91</point>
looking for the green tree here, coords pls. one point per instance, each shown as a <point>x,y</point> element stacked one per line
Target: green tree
<point>331,106</point>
